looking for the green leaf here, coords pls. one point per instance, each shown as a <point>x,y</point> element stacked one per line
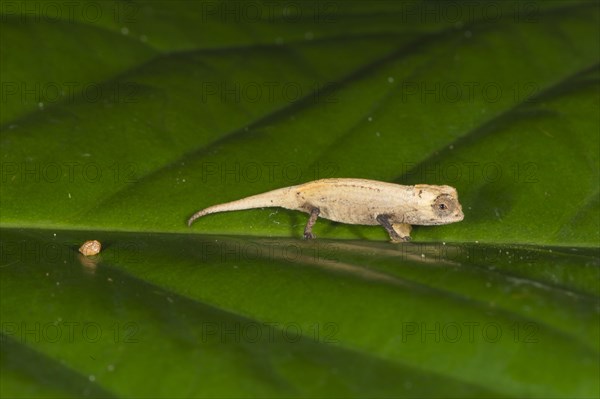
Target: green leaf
<point>134,115</point>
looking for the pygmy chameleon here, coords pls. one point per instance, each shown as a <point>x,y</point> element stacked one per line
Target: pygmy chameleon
<point>358,201</point>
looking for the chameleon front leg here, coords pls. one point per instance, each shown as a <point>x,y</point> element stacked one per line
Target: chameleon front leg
<point>399,232</point>
<point>403,230</point>
<point>314,214</point>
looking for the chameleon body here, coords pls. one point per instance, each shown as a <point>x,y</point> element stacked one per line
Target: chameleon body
<point>358,201</point>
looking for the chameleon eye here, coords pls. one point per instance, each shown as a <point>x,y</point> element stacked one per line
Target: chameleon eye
<point>444,204</point>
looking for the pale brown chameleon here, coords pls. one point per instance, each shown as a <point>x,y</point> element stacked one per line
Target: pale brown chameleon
<point>358,201</point>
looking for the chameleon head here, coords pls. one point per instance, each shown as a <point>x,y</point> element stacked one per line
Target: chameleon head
<point>439,206</point>
<point>447,209</point>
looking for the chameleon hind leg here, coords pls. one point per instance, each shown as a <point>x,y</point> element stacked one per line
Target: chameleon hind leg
<point>314,214</point>
<point>399,232</point>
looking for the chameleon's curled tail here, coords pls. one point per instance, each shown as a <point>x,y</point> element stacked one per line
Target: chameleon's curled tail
<point>275,198</point>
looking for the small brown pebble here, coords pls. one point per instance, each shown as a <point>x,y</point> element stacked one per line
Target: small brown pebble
<point>90,248</point>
